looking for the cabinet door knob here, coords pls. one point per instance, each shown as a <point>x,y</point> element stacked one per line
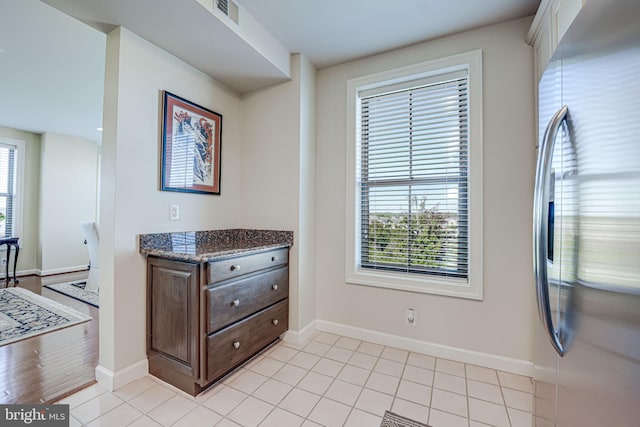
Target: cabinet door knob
<point>235,267</point>
<point>274,258</point>
<point>274,287</point>
<point>235,303</point>
<point>236,345</point>
<point>275,322</point>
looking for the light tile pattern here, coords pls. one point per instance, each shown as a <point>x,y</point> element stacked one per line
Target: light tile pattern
<point>326,382</point>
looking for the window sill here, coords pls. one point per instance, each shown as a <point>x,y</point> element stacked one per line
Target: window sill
<point>452,287</point>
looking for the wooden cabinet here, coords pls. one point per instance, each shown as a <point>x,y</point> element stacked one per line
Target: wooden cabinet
<point>549,25</point>
<point>238,266</point>
<point>240,298</point>
<point>563,14</point>
<point>547,29</point>
<point>235,344</point>
<point>543,48</point>
<point>173,315</point>
<point>205,319</point>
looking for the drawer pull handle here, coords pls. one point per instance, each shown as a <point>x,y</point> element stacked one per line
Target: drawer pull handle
<point>235,267</point>
<point>275,322</point>
<point>274,258</point>
<point>236,345</point>
<point>235,303</point>
<point>274,287</point>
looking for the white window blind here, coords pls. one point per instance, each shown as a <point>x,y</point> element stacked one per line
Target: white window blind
<point>412,173</point>
<point>7,189</point>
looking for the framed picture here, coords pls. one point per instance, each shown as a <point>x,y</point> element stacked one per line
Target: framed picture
<point>191,142</point>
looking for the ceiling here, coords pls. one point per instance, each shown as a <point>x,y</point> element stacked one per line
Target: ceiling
<point>52,65</point>
<point>51,71</point>
<point>199,35</point>
<point>329,32</point>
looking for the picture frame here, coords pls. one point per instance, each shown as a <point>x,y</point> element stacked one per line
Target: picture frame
<point>191,146</point>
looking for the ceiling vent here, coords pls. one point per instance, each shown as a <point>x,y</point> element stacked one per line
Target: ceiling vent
<point>223,5</point>
<point>229,8</point>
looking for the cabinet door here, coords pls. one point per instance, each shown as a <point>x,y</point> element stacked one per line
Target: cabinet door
<point>173,309</point>
<point>564,14</point>
<point>543,48</point>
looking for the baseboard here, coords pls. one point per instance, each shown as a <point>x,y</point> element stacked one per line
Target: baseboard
<point>515,366</point>
<point>63,270</point>
<point>29,272</point>
<point>41,273</point>
<point>300,336</point>
<point>113,381</point>
<point>544,374</point>
<point>20,273</point>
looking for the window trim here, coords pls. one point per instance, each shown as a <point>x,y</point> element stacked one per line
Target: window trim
<point>18,203</point>
<point>463,288</point>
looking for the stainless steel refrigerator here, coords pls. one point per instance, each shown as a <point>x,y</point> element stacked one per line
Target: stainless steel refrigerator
<point>587,223</point>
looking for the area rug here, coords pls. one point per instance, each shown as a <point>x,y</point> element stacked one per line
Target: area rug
<point>394,420</point>
<point>24,314</point>
<point>76,290</point>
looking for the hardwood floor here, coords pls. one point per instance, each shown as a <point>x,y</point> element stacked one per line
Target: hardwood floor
<point>48,367</point>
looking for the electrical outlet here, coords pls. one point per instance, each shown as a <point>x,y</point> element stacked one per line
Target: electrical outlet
<point>411,317</point>
<point>174,212</point>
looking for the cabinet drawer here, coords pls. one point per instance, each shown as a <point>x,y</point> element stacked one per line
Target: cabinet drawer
<point>234,267</point>
<point>235,344</point>
<point>243,297</point>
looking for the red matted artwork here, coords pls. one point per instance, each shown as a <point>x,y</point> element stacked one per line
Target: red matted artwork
<point>191,142</point>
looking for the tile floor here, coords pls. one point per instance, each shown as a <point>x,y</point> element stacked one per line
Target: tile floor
<point>330,381</point>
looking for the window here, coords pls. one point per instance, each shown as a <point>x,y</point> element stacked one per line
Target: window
<point>415,178</point>
<point>9,165</point>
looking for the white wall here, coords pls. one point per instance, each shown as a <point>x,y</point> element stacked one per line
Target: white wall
<point>28,260</point>
<point>501,324</point>
<point>283,167</point>
<point>68,184</point>
<point>279,179</point>
<point>136,73</point>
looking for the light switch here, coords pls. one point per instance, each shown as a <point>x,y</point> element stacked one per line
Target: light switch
<point>174,212</point>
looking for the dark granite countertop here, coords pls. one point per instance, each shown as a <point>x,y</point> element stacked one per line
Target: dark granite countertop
<point>204,246</point>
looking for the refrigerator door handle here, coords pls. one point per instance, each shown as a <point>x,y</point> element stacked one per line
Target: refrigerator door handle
<point>541,227</point>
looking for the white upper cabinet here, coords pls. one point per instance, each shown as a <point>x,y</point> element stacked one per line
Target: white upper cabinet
<point>564,12</point>
<point>549,25</point>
